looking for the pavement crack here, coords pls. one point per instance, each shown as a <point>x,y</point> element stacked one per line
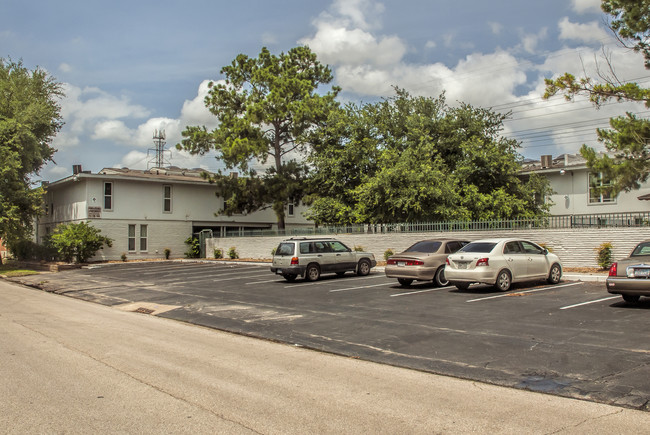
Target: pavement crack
<point>580,423</point>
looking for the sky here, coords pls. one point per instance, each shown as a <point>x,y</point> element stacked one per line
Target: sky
<point>130,68</point>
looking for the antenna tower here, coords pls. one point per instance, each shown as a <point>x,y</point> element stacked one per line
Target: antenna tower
<point>158,161</point>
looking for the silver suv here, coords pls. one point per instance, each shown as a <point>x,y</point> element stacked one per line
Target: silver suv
<point>309,257</point>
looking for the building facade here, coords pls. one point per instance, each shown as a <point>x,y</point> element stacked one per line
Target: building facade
<point>147,212</point>
<point>579,191</point>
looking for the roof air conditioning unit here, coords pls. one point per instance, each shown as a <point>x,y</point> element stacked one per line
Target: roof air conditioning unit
<point>547,161</point>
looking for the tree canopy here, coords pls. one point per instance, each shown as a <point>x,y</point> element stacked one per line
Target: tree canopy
<point>30,117</point>
<point>267,108</point>
<point>627,138</point>
<point>78,241</point>
<point>409,159</point>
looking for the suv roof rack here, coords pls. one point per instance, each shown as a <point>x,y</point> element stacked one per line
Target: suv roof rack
<point>311,238</point>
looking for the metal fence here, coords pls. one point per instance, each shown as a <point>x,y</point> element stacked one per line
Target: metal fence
<point>606,220</point>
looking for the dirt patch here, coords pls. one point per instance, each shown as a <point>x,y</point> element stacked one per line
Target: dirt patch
<point>595,270</point>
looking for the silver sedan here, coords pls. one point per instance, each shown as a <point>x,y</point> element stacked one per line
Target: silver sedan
<point>501,262</point>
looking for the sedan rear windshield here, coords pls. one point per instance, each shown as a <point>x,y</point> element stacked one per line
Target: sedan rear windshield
<point>285,249</point>
<point>428,247</point>
<point>483,247</point>
<point>641,249</point>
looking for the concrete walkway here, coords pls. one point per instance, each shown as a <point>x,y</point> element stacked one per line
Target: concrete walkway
<point>70,366</point>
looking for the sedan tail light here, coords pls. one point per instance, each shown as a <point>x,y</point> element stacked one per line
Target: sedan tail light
<point>447,261</point>
<point>482,262</point>
<point>406,262</point>
<point>294,261</point>
<point>613,269</point>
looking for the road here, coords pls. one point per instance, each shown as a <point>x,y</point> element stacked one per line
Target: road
<point>69,366</point>
<point>572,339</point>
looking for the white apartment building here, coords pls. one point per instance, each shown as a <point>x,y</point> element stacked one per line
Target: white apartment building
<point>574,188</point>
<point>146,212</point>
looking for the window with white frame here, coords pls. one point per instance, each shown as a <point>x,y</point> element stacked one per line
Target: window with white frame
<point>143,237</point>
<point>131,242</point>
<point>600,189</point>
<point>108,196</point>
<point>167,198</point>
<point>290,210</point>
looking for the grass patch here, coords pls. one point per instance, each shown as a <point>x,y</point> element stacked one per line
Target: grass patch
<point>12,271</point>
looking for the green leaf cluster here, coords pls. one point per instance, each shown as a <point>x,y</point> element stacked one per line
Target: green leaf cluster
<point>268,108</point>
<point>30,117</point>
<point>410,159</point>
<point>627,138</point>
<point>78,241</point>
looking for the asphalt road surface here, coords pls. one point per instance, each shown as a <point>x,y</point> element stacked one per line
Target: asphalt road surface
<point>572,339</point>
<point>73,367</point>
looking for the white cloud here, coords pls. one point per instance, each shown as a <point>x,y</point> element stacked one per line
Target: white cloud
<point>64,67</point>
<point>590,32</point>
<point>495,27</point>
<point>529,41</point>
<point>430,44</point>
<point>583,6</point>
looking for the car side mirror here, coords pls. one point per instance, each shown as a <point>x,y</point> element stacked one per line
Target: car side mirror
<point>545,251</point>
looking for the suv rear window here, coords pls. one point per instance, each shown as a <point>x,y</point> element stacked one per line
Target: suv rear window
<point>482,247</point>
<point>285,249</point>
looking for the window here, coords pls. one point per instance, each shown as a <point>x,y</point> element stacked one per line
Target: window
<point>143,237</point>
<point>108,196</point>
<point>290,212</point>
<point>600,189</point>
<point>131,237</point>
<point>167,198</point>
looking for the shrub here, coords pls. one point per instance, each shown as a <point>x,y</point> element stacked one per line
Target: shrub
<point>194,248</point>
<point>273,251</point>
<point>78,242</point>
<point>358,248</point>
<point>218,253</point>
<point>387,253</point>
<point>232,253</point>
<point>604,257</point>
<point>167,252</point>
<point>28,250</point>
<point>123,256</point>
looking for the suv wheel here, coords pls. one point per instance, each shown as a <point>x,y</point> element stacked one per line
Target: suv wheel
<point>312,273</point>
<point>363,268</point>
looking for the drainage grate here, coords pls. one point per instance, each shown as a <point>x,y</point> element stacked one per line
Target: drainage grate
<point>144,310</point>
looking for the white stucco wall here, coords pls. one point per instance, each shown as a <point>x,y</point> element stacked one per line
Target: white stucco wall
<point>575,247</point>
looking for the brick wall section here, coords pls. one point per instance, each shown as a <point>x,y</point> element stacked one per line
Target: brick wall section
<point>575,247</point>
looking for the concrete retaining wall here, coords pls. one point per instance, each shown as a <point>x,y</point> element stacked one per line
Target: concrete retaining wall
<point>575,247</point>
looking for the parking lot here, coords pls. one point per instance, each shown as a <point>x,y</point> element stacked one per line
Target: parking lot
<point>572,339</point>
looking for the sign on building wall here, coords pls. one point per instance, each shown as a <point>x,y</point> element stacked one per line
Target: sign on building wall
<point>94,212</point>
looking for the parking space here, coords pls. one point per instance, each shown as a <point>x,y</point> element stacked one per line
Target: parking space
<point>571,339</point>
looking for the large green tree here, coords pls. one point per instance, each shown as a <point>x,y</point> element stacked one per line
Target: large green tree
<point>628,137</point>
<point>268,108</point>
<point>30,117</point>
<point>410,159</point>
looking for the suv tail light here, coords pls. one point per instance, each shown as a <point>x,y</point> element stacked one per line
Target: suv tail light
<point>613,269</point>
<point>294,261</point>
<point>482,262</point>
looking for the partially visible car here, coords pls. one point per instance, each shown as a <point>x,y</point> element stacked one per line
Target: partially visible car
<point>311,257</point>
<point>423,261</point>
<point>502,262</point>
<point>630,277</point>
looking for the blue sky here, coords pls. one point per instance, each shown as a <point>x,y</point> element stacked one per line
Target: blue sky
<point>132,67</point>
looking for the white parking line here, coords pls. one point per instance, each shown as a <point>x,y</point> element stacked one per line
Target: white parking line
<point>356,288</point>
<point>419,291</point>
<point>527,291</point>
<point>589,302</point>
<point>327,281</point>
<point>264,282</point>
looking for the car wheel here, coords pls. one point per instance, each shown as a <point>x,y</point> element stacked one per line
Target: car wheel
<point>631,299</point>
<point>439,277</point>
<point>504,280</point>
<point>462,285</point>
<point>555,274</point>
<point>289,277</point>
<point>405,281</point>
<point>363,268</point>
<point>312,273</point>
